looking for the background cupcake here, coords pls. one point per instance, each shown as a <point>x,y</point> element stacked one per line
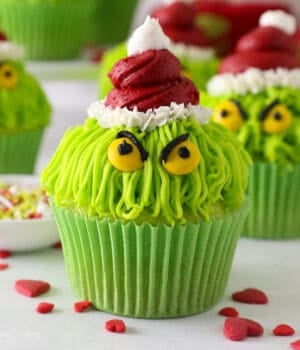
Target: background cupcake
<point>148,197</point>
<point>256,95</point>
<point>24,112</point>
<point>48,29</point>
<point>188,43</point>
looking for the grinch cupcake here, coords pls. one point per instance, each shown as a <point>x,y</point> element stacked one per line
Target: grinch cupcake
<point>188,43</point>
<point>256,95</point>
<point>24,112</point>
<point>48,29</point>
<point>148,197</point>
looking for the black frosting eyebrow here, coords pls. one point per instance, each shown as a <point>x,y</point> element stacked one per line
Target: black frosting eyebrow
<point>168,148</point>
<point>267,109</point>
<point>240,108</point>
<point>135,141</point>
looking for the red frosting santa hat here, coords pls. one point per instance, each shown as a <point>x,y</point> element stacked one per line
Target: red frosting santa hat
<point>264,57</point>
<point>9,50</point>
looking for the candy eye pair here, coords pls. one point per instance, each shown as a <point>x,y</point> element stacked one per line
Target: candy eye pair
<point>178,157</point>
<point>8,76</point>
<point>275,118</point>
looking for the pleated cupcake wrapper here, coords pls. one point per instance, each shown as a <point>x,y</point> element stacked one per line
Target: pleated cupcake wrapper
<point>110,21</point>
<point>275,202</point>
<point>146,271</point>
<point>47,31</point>
<point>18,152</point>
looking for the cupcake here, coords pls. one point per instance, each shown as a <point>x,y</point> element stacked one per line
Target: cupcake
<point>188,43</point>
<point>256,95</point>
<point>48,29</point>
<point>148,197</point>
<point>24,112</point>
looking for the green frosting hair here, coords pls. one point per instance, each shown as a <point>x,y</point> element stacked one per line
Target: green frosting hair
<point>24,107</point>
<point>281,148</point>
<point>81,177</point>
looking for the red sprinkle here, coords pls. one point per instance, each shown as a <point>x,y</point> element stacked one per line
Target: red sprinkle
<point>31,288</point>
<point>237,329</point>
<point>229,312</point>
<point>117,326</point>
<point>3,266</point>
<point>250,296</point>
<point>57,245</point>
<point>295,345</point>
<point>5,254</point>
<point>283,330</point>
<point>44,308</point>
<point>35,215</point>
<point>81,306</point>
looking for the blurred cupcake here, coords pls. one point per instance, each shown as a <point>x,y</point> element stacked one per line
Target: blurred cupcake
<point>110,21</point>
<point>256,95</point>
<point>24,112</point>
<point>149,197</point>
<point>188,43</point>
<point>48,29</point>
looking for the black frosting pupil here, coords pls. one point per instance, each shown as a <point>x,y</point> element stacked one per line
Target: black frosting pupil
<point>184,152</point>
<point>8,73</point>
<point>277,116</point>
<point>124,148</point>
<point>224,113</point>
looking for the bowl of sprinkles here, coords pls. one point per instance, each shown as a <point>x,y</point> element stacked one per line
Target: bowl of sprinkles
<point>26,222</point>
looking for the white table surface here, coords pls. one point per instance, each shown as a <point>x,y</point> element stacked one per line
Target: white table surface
<point>271,266</point>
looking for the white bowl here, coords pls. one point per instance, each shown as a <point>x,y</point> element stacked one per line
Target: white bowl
<point>26,234</point>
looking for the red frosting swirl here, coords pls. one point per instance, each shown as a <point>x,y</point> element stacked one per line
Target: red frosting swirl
<point>265,48</point>
<point>150,80</point>
<point>178,22</point>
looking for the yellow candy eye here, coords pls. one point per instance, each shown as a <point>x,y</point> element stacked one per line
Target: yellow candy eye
<point>8,76</point>
<point>126,152</point>
<point>276,118</point>
<point>230,114</point>
<point>180,156</point>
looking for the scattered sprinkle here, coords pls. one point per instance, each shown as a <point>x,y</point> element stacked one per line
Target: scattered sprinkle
<point>57,245</point>
<point>4,254</point>
<point>44,308</point>
<point>295,345</point>
<point>237,328</point>
<point>283,330</point>
<point>3,266</point>
<point>81,306</point>
<point>229,312</point>
<point>250,296</point>
<point>117,326</point>
<point>31,288</point>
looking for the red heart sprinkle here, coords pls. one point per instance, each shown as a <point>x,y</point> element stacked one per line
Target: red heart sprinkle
<point>81,306</point>
<point>117,326</point>
<point>238,328</point>
<point>44,308</point>
<point>250,296</point>
<point>3,266</point>
<point>229,312</point>
<point>31,288</point>
<point>295,345</point>
<point>5,253</point>
<point>57,245</point>
<point>283,330</point>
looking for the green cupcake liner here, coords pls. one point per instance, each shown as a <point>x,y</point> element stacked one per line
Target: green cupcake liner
<point>148,271</point>
<point>18,152</point>
<point>275,205</point>
<point>110,21</point>
<point>48,31</point>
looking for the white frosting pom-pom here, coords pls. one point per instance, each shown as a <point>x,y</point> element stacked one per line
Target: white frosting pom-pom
<point>279,19</point>
<point>146,37</point>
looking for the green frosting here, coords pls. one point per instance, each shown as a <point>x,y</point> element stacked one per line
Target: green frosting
<point>24,107</point>
<point>282,148</point>
<point>80,176</point>
<point>198,71</point>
